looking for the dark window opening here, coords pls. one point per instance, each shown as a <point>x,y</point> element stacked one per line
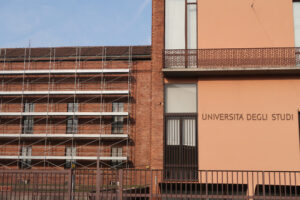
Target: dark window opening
<point>181,156</point>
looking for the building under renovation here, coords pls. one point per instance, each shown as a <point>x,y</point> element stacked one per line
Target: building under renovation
<point>71,106</point>
<point>209,111</point>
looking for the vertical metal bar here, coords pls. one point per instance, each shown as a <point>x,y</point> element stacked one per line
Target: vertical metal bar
<point>218,182</point>
<point>20,177</point>
<point>31,182</point>
<point>79,190</point>
<point>64,184</point>
<point>296,192</point>
<point>70,184</point>
<point>232,185</point>
<point>290,178</point>
<point>59,184</point>
<point>264,184</point>
<point>42,183</point>
<point>151,183</point>
<point>212,182</point>
<point>284,173</point>
<point>13,183</point>
<point>206,183</point>
<point>97,180</point>
<point>270,184</point>
<point>279,184</point>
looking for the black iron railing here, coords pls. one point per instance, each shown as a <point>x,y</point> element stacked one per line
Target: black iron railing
<point>126,184</point>
<point>231,58</point>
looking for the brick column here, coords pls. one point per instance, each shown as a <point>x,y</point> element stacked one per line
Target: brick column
<point>157,85</point>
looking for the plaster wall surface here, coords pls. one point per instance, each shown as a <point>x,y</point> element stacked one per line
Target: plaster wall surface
<point>249,144</point>
<point>245,24</point>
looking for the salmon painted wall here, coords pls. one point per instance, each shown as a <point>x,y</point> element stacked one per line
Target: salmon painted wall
<point>245,23</point>
<point>249,144</point>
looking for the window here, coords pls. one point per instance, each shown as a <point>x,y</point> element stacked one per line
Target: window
<point>25,154</point>
<point>296,8</point>
<point>117,124</point>
<point>181,98</point>
<point>72,125</point>
<point>70,152</point>
<point>174,24</point>
<point>116,152</point>
<point>180,24</point>
<point>117,106</point>
<point>181,131</point>
<point>72,121</point>
<point>28,107</point>
<point>180,149</point>
<point>72,107</point>
<point>191,27</point>
<point>28,121</point>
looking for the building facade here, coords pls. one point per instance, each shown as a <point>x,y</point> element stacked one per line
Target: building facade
<point>235,63</point>
<point>226,91</point>
<point>214,101</point>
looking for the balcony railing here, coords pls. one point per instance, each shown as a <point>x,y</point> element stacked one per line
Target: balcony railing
<point>281,57</point>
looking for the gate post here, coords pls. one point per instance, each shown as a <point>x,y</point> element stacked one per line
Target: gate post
<point>120,186</point>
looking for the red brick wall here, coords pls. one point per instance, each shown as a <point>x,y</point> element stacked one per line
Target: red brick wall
<point>142,90</point>
<point>157,100</point>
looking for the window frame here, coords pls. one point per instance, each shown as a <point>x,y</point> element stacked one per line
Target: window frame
<point>118,105</point>
<point>187,3</point>
<point>72,120</point>
<point>117,125</point>
<point>25,163</point>
<point>28,121</point>
<point>181,117</point>
<point>116,163</point>
<point>184,170</point>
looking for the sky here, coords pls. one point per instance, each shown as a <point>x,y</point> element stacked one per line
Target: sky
<point>52,23</point>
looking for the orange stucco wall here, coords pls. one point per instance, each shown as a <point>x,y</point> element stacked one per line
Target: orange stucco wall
<point>245,23</point>
<point>249,144</point>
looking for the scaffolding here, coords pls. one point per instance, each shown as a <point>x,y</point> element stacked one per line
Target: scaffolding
<point>65,111</point>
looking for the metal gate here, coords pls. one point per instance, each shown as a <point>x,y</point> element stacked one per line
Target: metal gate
<point>35,185</point>
<point>129,184</point>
